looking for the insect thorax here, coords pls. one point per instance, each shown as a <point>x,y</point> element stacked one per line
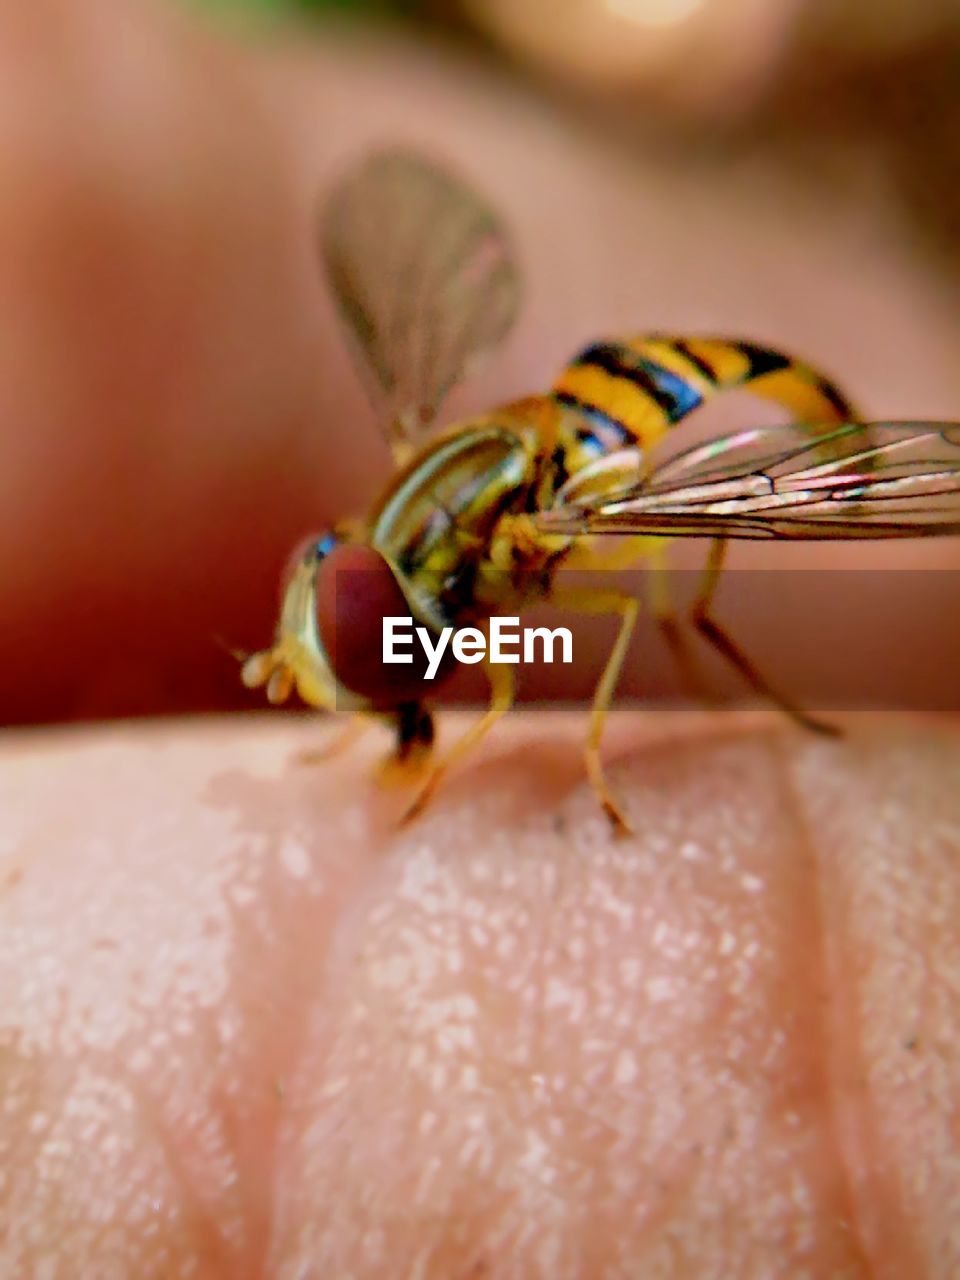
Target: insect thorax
<point>437,522</point>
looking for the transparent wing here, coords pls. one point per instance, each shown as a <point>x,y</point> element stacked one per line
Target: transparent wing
<point>880,480</point>
<point>423,275</point>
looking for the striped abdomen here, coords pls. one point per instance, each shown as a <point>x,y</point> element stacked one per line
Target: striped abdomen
<point>627,394</point>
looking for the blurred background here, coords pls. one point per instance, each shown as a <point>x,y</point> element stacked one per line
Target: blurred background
<point>179,405</point>
<point>718,74</point>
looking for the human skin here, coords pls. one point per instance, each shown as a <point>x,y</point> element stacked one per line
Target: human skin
<point>248,1027</point>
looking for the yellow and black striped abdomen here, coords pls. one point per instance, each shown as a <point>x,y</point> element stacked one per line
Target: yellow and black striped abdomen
<point>624,394</point>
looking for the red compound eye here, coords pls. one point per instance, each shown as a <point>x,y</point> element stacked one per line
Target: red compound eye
<point>356,590</point>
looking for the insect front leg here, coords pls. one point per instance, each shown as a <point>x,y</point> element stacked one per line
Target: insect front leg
<point>410,758</point>
<point>501,681</point>
<point>702,618</point>
<point>589,600</point>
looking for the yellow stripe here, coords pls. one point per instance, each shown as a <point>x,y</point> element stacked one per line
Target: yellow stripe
<point>663,352</point>
<point>793,389</point>
<point>729,365</point>
<point>618,398</point>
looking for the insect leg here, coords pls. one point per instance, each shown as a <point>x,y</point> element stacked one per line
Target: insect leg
<point>501,681</point>
<point>413,724</point>
<point>665,614</point>
<point>703,619</point>
<point>587,600</point>
<point>354,729</point>
<point>653,551</point>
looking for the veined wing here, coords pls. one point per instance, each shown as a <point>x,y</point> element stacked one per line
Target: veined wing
<point>881,480</point>
<point>424,278</point>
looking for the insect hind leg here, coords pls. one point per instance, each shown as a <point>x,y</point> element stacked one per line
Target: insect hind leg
<point>701,616</point>
<point>666,617</point>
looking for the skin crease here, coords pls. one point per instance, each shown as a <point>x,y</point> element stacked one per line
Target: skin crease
<point>247,1028</point>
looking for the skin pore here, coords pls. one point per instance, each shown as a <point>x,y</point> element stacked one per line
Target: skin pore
<point>247,1028</point>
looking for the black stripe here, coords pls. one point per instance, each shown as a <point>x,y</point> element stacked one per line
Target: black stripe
<point>603,355</point>
<point>561,473</point>
<point>761,359</point>
<point>698,362</point>
<point>591,411</point>
<point>834,398</point>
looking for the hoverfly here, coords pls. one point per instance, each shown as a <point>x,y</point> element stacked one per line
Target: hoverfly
<point>480,516</point>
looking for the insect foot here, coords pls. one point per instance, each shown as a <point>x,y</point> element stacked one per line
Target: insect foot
<point>266,668</point>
